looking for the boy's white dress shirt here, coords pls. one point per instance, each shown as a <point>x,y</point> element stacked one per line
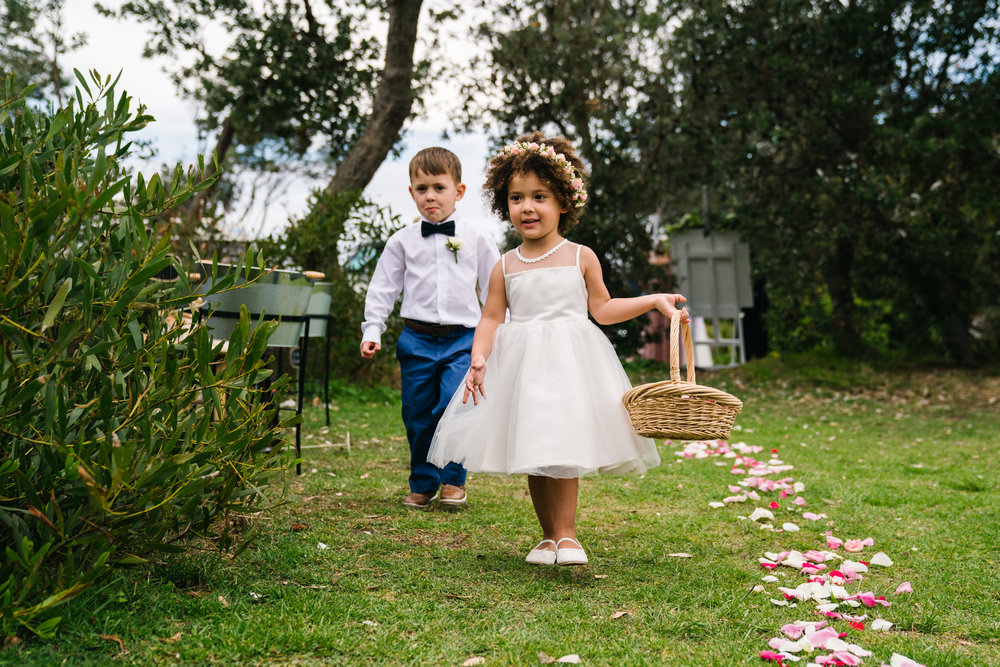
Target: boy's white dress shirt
<point>436,288</point>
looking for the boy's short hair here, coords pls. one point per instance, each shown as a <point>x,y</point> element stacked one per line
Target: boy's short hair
<point>434,161</point>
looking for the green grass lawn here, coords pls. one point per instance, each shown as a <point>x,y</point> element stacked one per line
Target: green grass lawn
<point>908,458</point>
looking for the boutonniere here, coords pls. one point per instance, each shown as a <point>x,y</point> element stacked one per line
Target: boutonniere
<point>454,245</point>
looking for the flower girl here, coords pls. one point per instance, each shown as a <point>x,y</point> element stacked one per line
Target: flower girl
<point>546,386</point>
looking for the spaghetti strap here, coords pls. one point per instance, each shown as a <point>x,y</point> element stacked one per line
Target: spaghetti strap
<point>578,248</point>
<point>503,264</point>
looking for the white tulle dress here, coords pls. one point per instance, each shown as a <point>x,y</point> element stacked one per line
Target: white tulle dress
<point>553,387</point>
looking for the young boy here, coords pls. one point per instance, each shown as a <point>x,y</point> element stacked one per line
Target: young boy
<point>437,264</point>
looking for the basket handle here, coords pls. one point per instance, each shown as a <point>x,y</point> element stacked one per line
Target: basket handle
<point>679,330</point>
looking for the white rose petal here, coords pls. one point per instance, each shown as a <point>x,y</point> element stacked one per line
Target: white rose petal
<point>881,559</point>
<point>836,644</point>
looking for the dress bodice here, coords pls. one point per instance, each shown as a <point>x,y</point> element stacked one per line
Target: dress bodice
<point>548,294</point>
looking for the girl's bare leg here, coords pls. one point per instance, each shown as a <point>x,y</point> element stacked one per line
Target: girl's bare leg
<point>538,487</point>
<point>555,505</point>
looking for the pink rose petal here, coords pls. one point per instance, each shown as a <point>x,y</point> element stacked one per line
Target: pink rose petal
<point>771,655</point>
<point>847,658</point>
<point>821,637</point>
<point>792,630</point>
<point>855,546</point>
<point>904,587</point>
<point>869,599</point>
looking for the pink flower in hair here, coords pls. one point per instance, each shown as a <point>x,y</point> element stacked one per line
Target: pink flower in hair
<point>548,152</point>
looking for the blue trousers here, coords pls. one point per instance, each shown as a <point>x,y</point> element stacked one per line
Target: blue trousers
<point>432,368</point>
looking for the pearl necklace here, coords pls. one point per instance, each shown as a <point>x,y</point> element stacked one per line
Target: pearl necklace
<point>534,260</point>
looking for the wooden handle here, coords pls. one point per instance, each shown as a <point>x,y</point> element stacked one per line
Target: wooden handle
<point>680,330</point>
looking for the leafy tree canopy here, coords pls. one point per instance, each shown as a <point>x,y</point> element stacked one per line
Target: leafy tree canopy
<point>33,41</point>
<point>579,69</point>
<point>852,144</point>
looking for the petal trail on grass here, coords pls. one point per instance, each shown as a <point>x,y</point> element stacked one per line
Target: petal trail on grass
<point>826,589</point>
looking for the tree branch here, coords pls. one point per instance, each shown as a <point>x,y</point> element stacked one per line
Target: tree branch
<point>392,104</point>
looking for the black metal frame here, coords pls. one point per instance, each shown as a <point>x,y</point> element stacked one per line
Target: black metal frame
<point>326,362</point>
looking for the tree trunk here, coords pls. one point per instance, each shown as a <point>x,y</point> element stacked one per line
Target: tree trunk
<point>838,281</point>
<point>193,208</point>
<point>960,342</point>
<point>393,101</point>
<point>186,217</point>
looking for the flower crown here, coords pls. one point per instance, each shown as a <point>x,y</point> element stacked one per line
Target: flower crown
<point>576,178</point>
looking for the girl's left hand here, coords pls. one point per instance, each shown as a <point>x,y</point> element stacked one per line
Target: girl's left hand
<point>667,304</point>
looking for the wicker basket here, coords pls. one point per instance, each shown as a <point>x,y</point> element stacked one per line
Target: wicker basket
<point>681,410</point>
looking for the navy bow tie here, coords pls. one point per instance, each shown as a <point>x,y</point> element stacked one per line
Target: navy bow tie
<point>447,228</point>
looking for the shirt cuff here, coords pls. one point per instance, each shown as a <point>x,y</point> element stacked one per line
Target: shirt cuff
<point>372,333</point>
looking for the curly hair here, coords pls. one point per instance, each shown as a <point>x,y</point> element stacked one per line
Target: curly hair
<point>505,165</point>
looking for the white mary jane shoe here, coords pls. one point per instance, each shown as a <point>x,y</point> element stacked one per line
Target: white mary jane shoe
<point>571,556</point>
<point>538,556</point>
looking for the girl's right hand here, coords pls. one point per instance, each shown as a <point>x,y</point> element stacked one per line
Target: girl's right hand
<point>475,380</point>
<point>668,304</point>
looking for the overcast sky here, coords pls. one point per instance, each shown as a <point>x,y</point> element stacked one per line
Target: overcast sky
<point>116,45</point>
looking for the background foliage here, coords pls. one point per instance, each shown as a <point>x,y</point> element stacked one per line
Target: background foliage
<point>342,236</point>
<point>851,144</point>
<point>578,69</point>
<point>123,428</point>
<point>288,90</point>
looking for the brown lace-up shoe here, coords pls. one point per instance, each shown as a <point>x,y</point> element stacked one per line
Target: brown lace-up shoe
<point>452,495</point>
<point>419,500</point>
